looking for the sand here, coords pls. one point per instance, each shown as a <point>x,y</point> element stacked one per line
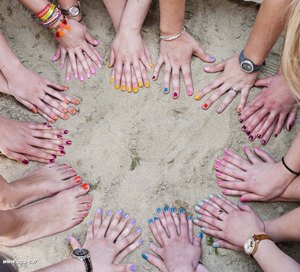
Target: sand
<point>176,142</point>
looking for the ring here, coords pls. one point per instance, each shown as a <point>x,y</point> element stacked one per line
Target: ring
<point>219,213</point>
<point>235,89</point>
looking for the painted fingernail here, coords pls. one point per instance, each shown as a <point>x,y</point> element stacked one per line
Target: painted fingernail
<point>200,203</point>
<point>63,152</point>
<point>259,136</point>
<point>132,221</point>
<point>190,218</point>
<point>69,142</point>
<point>90,223</point>
<point>166,90</point>
<point>216,245</point>
<point>195,220</point>
<point>203,228</point>
<point>140,242</point>
<point>129,89</point>
<point>145,256</point>
<point>275,135</point>
<point>220,196</point>
<point>76,102</point>
<point>264,142</point>
<point>140,84</point>
<point>76,75</point>
<point>99,211</point>
<point>138,230</point>
<point>93,70</point>
<point>173,210</point>
<point>241,120</point>
<point>123,87</point>
<point>52,161</point>
<point>153,77</point>
<point>135,89</point>
<point>147,84</point>
<point>88,75</point>
<point>120,212</point>
<point>239,109</point>
<point>66,131</point>
<point>205,106</point>
<point>150,221</point>
<point>166,209</point>
<point>211,58</point>
<point>175,95</point>
<point>190,92</point>
<point>197,97</point>
<point>210,195</point>
<point>85,186</point>
<point>251,138</point>
<point>200,235</point>
<point>199,216</point>
<point>243,199</point>
<point>132,268</point>
<point>99,65</point>
<point>61,147</point>
<point>181,210</point>
<point>155,218</point>
<point>197,208</point>
<point>72,111</point>
<point>206,200</point>
<point>126,215</point>
<point>158,210</point>
<point>54,156</point>
<point>218,174</point>
<point>59,136</point>
<point>248,132</point>
<point>111,79</point>
<point>117,87</point>
<point>109,213</point>
<point>81,78</point>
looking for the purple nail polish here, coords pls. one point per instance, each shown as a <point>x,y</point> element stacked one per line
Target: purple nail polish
<point>99,211</point>
<point>132,221</point>
<point>62,152</point>
<point>212,58</point>
<point>52,161</point>
<point>132,268</point>
<point>61,147</point>
<point>153,77</point>
<point>109,213</point>
<point>59,136</point>
<point>120,212</point>
<point>44,124</point>
<point>76,75</point>
<point>88,75</point>
<point>140,241</point>
<point>126,215</point>
<point>138,230</point>
<point>25,161</point>
<point>68,142</point>
<point>241,120</point>
<point>48,126</point>
<point>66,131</point>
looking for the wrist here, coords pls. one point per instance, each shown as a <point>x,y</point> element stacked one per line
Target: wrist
<point>169,31</point>
<point>186,268</point>
<point>286,175</point>
<point>9,71</point>
<point>129,29</point>
<point>256,59</point>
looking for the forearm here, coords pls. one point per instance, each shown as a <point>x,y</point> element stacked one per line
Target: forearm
<point>292,158</point>
<point>285,228</point>
<point>171,16</point>
<point>134,15</point>
<point>68,265</point>
<point>66,4</point>
<point>34,5</point>
<point>271,258</point>
<point>269,24</point>
<point>115,9</point>
<point>292,192</point>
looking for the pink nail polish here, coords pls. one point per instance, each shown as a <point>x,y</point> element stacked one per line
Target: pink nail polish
<point>218,174</point>
<point>66,131</point>
<point>99,65</point>
<point>25,161</point>
<point>175,95</point>
<point>88,75</point>
<point>59,136</point>
<point>226,157</point>
<point>81,78</point>
<point>243,199</point>
<point>67,78</point>
<point>245,148</point>
<point>68,142</point>
<point>217,166</point>
<point>218,161</point>
<point>190,92</point>
<point>93,71</point>
<point>264,142</point>
<point>227,152</point>
<point>76,75</point>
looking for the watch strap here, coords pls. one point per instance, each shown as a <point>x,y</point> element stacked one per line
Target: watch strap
<point>257,238</point>
<point>88,264</point>
<point>66,12</point>
<point>256,68</point>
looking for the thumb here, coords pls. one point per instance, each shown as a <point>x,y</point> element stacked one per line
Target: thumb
<point>199,53</point>
<point>263,82</point>
<point>124,268</point>
<point>244,207</point>
<point>73,242</point>
<point>111,59</point>
<point>90,39</point>
<point>251,197</point>
<point>56,56</point>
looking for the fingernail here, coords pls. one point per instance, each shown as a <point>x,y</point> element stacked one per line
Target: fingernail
<point>275,135</point>
<point>76,75</point>
<point>173,210</point>
<point>145,256</point>
<point>203,228</point>
<point>141,241</point>
<point>212,58</point>
<point>147,84</point>
<point>200,203</point>
<point>166,209</point>
<point>200,235</point>
<point>66,131</point>
<point>155,218</point>
<point>54,156</point>
<point>119,212</point>
<point>239,109</point>
<point>61,147</point>
<point>99,211</point>
<point>111,79</point>
<point>150,221</point>
<point>62,152</point>
<point>197,208</point>
<point>88,75</point>
<point>210,195</point>
<point>52,161</point>
<point>93,70</point>
<point>69,142</point>
<point>126,215</point>
<point>59,136</point>
<point>216,245</point>
<point>68,238</point>
<point>85,186</point>
<point>132,221</point>
<point>123,87</point>
<point>158,210</point>
<point>99,65</point>
<point>90,223</point>
<point>220,196</point>
<point>129,89</point>
<point>206,200</point>
<point>264,142</point>
<point>195,220</point>
<point>175,95</point>
<point>72,111</point>
<point>190,218</point>
<point>205,106</point>
<point>135,89</point>
<point>218,174</point>
<point>248,132</point>
<point>140,84</point>
<point>132,268</point>
<point>117,87</point>
<point>197,97</point>
<point>243,199</point>
<point>153,77</point>
<point>109,213</point>
<point>199,216</point>
<point>181,210</point>
<point>220,110</point>
<point>251,138</point>
<point>166,90</point>
<point>190,92</point>
<point>67,78</point>
<point>138,230</point>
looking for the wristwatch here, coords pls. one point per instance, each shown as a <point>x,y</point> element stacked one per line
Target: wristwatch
<point>83,255</point>
<point>248,66</point>
<point>251,244</point>
<point>72,11</point>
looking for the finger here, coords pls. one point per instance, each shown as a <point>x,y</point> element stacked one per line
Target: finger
<point>46,117</point>
<point>161,231</point>
<point>111,59</point>
<point>83,62</point>
<point>280,123</point>
<point>68,70</point>
<point>252,122</point>
<point>291,119</point>
<point>243,100</point>
<point>255,133</point>
<point>144,75</point>
<point>92,55</point>
<point>191,229</point>
<point>224,244</point>
<point>236,160</point>
<point>249,197</point>
<point>28,105</point>
<point>210,87</point>
<point>134,82</point>
<point>97,222</point>
<point>233,192</point>
<point>63,57</point>
<point>211,221</point>
<point>56,55</point>
<point>144,60</point>
<point>118,74</point>
<point>73,63</point>
<point>200,53</point>
<point>22,158</point>
<point>138,73</point>
<point>123,82</point>
<point>176,219</point>
<point>213,233</point>
<point>225,204</point>
<point>124,268</point>
<point>198,239</point>
<point>98,56</point>
<point>166,79</point>
<point>233,185</point>
<point>157,250</point>
<point>90,39</point>
<point>128,227</point>
<point>113,231</point>
<point>184,229</point>
<point>155,232</point>
<point>228,99</point>
<point>251,108</point>
<point>175,82</point>
<point>216,95</point>
<point>265,139</point>
<point>127,74</point>
<point>73,242</point>
<point>127,251</point>
<point>91,65</point>
<point>155,261</point>
<point>187,77</point>
<point>214,68</point>
<point>127,241</point>
<point>263,82</point>
<point>162,218</point>
<point>268,123</point>
<point>170,222</point>
<point>105,224</point>
<point>158,65</point>
<point>251,156</point>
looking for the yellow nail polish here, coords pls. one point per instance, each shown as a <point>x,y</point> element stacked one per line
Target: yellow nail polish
<point>123,87</point>
<point>197,97</point>
<point>129,89</point>
<point>153,65</point>
<point>140,84</point>
<point>108,65</point>
<point>111,80</point>
<point>147,84</point>
<point>135,89</point>
<point>117,87</point>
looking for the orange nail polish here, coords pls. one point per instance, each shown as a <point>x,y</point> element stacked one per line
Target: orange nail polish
<point>76,102</point>
<point>55,117</point>
<point>72,111</point>
<point>64,110</point>
<point>66,117</point>
<point>66,88</point>
<point>67,102</point>
<point>85,186</point>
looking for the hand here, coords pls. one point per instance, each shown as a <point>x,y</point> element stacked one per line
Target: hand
<point>232,80</point>
<point>259,178</point>
<point>275,102</point>
<point>128,53</point>
<point>177,56</point>
<point>179,250</point>
<point>232,224</point>
<point>40,95</point>
<point>106,253</point>
<point>77,44</point>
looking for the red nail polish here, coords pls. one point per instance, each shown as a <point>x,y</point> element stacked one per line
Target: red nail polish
<point>85,186</point>
<point>243,199</point>
<point>264,142</point>
<point>205,106</point>
<point>88,205</point>
<point>66,131</point>
<point>52,161</point>
<point>48,126</point>
<point>54,156</point>
<point>248,132</point>
<point>241,120</point>
<point>68,142</point>
<point>175,95</point>
<point>45,123</point>
<point>59,136</point>
<point>258,136</point>
<point>251,138</point>
<point>62,152</point>
<point>78,179</point>
<point>153,77</point>
<point>25,161</point>
<point>61,147</point>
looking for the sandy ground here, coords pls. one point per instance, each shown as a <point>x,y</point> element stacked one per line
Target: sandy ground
<point>176,141</point>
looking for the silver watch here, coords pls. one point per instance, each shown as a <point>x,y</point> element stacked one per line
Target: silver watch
<point>83,255</point>
<point>72,11</point>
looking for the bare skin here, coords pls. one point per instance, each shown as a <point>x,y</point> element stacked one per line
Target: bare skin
<point>179,250</point>
<point>37,184</point>
<point>53,215</point>
<point>106,254</point>
<point>31,141</point>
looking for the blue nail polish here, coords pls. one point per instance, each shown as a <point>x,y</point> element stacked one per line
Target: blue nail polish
<point>99,211</point>
<point>190,218</point>
<point>206,200</point>
<point>181,210</point>
<point>90,223</point>
<point>133,268</point>
<point>200,235</point>
<point>150,221</point>
<point>196,208</point>
<point>155,218</point>
<point>203,228</point>
<point>166,209</point>
<point>173,210</point>
<point>145,256</point>
<point>199,216</point>
<point>210,195</point>
<point>220,196</point>
<point>166,90</point>
<point>195,220</point>
<point>158,210</point>
<point>216,245</point>
<point>200,203</point>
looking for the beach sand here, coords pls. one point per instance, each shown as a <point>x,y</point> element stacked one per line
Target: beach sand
<point>175,142</point>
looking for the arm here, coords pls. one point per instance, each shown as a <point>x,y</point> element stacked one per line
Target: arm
<point>68,265</point>
<point>271,258</point>
<point>65,4</point>
<point>115,9</point>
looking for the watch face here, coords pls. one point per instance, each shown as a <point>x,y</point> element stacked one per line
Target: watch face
<point>249,246</point>
<point>80,252</point>
<point>74,11</point>
<point>247,66</point>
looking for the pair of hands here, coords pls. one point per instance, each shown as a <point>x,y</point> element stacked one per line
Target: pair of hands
<point>231,224</point>
<point>110,239</point>
<point>77,52</point>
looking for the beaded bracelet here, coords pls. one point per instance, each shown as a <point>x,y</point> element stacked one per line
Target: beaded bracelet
<point>59,31</point>
<point>172,38</point>
<point>43,11</point>
<point>289,169</point>
<point>53,19</point>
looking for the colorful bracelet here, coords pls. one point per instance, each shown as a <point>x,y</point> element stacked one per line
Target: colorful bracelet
<point>53,19</point>
<point>289,169</point>
<point>43,11</point>
<point>49,13</point>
